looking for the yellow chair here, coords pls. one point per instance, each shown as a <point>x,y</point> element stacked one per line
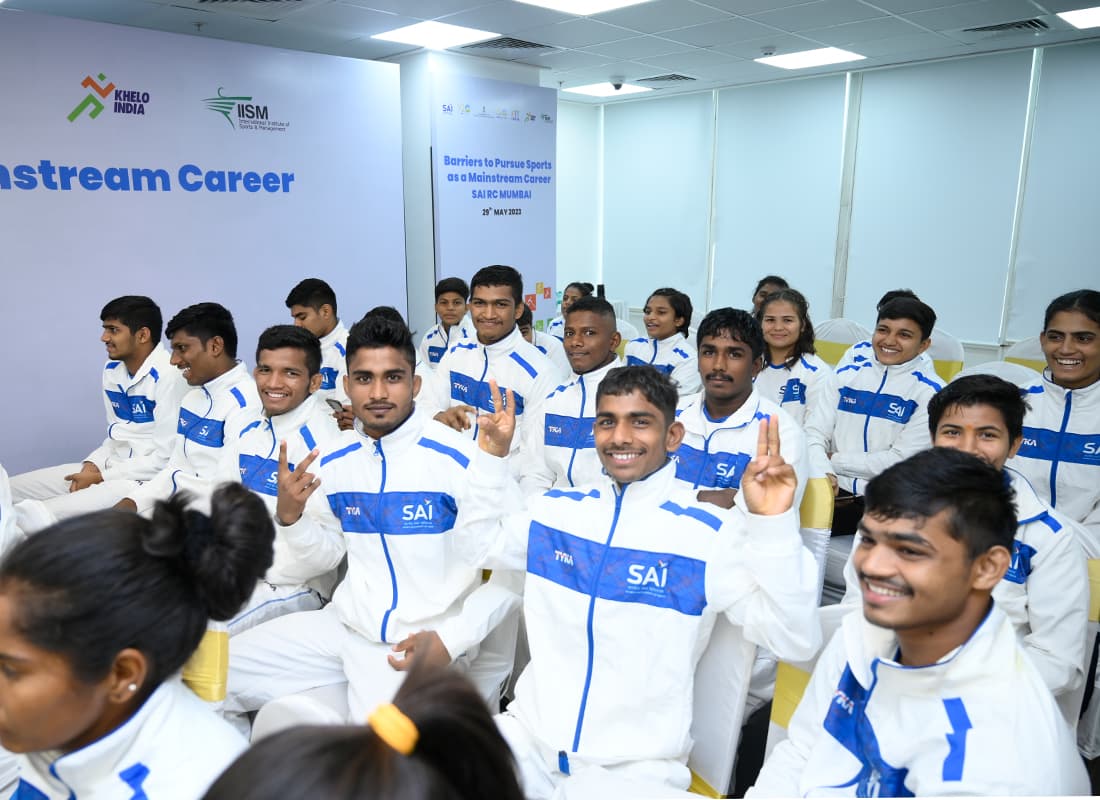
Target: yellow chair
<point>206,673</point>
<point>835,336</point>
<point>815,519</point>
<point>627,331</point>
<point>1027,352</point>
<point>947,354</point>
<point>1013,373</point>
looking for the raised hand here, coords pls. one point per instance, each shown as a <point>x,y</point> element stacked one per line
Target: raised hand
<point>295,487</point>
<point>769,482</point>
<point>456,417</point>
<point>495,431</point>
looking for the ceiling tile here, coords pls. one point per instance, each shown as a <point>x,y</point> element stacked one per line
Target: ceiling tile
<point>421,9</point>
<point>352,20</point>
<point>691,60</point>
<point>568,59</point>
<point>778,44</point>
<point>910,6</point>
<point>662,16</point>
<point>737,72</point>
<point>901,45</point>
<point>973,15</point>
<point>715,33</point>
<point>639,47</point>
<point>867,30</point>
<point>574,33</point>
<point>371,48</point>
<point>627,70</point>
<point>745,7</point>
<point>506,18</point>
<point>818,15</point>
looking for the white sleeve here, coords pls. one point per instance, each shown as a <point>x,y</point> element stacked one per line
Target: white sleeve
<point>483,609</point>
<point>819,425</point>
<point>9,533</point>
<point>686,375</point>
<point>537,476</point>
<point>493,523</point>
<point>913,437</point>
<point>422,350</point>
<point>100,454</point>
<point>315,543</point>
<point>165,425</point>
<point>781,775</point>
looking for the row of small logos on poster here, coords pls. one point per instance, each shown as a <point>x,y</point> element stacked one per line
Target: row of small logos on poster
<point>514,114</point>
<point>240,111</point>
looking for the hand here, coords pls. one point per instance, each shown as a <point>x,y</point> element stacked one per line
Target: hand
<point>423,646</point>
<point>769,482</point>
<point>723,498</point>
<point>89,474</point>
<point>126,504</point>
<point>345,419</point>
<point>295,487</point>
<point>456,417</point>
<point>833,482</point>
<point>495,431</point>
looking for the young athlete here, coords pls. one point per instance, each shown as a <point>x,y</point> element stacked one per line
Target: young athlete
<point>435,740</point>
<point>625,578</point>
<point>928,691</point>
<point>312,305</point>
<point>389,493</point>
<point>222,400</point>
<point>668,348</point>
<point>720,423</point>
<point>560,449</point>
<point>573,292</point>
<point>141,395</point>
<point>97,616</point>
<point>765,286</point>
<point>864,351</point>
<point>874,412</point>
<point>1060,453</point>
<point>793,375</point>
<point>546,344</point>
<point>451,295</point>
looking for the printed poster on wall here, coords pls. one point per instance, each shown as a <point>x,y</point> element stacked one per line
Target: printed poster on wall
<point>493,146</point>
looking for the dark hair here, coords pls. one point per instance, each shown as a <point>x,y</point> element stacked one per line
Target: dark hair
<point>135,311</point>
<point>894,294</point>
<point>982,502</point>
<point>656,387</point>
<point>279,336</point>
<point>805,342</point>
<point>205,321</point>
<point>93,585</point>
<point>740,325</point>
<point>597,305</point>
<point>312,293</point>
<point>459,753</point>
<point>1087,301</point>
<point>680,303</point>
<point>525,316</point>
<point>386,312</point>
<point>908,308</point>
<point>774,280</point>
<point>980,390</point>
<point>499,275</point>
<point>379,329</point>
<point>585,289</point>
<point>456,285</point>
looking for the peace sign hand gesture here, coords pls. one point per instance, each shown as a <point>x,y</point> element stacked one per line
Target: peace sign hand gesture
<point>295,487</point>
<point>495,431</point>
<point>769,482</point>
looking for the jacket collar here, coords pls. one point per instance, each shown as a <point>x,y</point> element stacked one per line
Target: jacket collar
<point>227,379</point>
<point>283,424</point>
<point>596,376</point>
<point>695,418</point>
<point>337,334</point>
<point>404,435</point>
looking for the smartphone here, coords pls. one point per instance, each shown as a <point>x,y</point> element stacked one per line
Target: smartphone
<point>335,405</point>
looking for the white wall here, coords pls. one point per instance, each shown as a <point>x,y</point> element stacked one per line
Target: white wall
<point>578,199</point>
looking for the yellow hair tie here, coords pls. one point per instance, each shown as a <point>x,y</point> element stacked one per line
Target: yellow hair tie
<point>394,728</point>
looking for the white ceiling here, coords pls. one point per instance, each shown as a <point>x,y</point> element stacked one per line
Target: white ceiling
<point>712,41</point>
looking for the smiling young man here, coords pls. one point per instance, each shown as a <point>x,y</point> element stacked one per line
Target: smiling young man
<point>720,422</point>
<point>625,577</point>
<point>559,447</point>
<point>873,413</point>
<point>460,385</point>
<point>927,691</point>
<point>312,305</point>
<point>141,394</point>
<point>454,326</point>
<point>384,494</point>
<point>221,402</point>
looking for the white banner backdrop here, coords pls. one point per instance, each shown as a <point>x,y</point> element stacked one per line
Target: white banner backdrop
<point>493,146</point>
<point>183,168</point>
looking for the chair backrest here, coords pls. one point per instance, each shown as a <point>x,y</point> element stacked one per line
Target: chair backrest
<point>1027,352</point>
<point>791,681</point>
<point>206,673</point>
<point>946,352</point>
<point>1013,373</point>
<point>816,522</point>
<point>835,336</point>
<point>627,331</point>
<point>721,686</point>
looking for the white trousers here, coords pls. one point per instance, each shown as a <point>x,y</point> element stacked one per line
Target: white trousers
<point>42,484</point>
<point>270,600</point>
<point>42,497</point>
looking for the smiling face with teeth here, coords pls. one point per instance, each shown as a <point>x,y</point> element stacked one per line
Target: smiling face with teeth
<point>898,341</point>
<point>1071,344</point>
<point>633,437</point>
<point>283,379</point>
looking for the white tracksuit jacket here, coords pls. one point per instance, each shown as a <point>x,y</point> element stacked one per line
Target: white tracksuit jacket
<point>796,389</point>
<point>559,449</point>
<point>391,505</point>
<point>334,364</point>
<point>10,535</point>
<point>173,747</point>
<point>714,454</point>
<point>553,349</point>
<point>865,351</point>
<point>674,356</point>
<point>978,722</point>
<point>1061,453</point>
<point>1044,594</point>
<point>437,341</point>
<point>463,377</point>
<point>622,591</point>
<point>142,410</point>
<point>556,327</point>
<point>871,417</point>
<point>209,415</point>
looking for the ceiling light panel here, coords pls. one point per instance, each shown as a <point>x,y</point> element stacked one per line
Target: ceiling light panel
<point>435,35</point>
<point>810,58</point>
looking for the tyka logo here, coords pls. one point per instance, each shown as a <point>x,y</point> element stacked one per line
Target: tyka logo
<point>91,101</point>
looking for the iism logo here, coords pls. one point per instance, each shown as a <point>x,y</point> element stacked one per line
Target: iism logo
<point>240,112</point>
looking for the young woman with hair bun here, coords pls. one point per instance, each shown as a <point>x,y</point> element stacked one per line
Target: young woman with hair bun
<point>97,616</point>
